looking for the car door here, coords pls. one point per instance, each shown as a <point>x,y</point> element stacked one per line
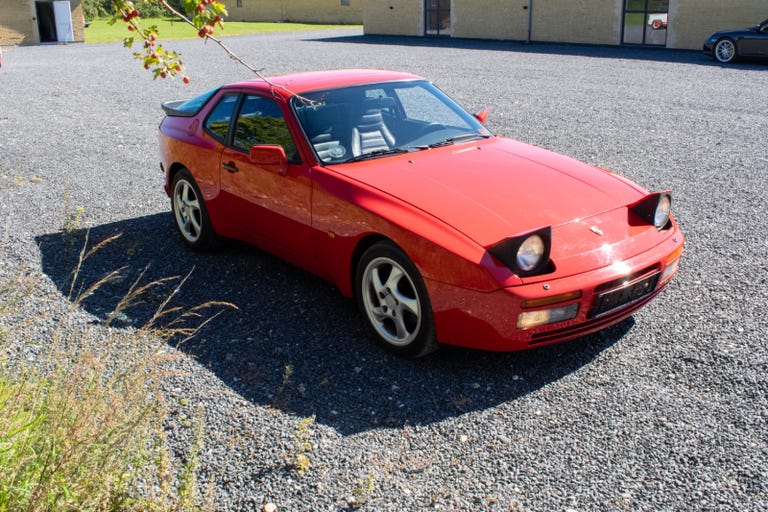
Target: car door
<point>270,205</point>
<point>755,43</point>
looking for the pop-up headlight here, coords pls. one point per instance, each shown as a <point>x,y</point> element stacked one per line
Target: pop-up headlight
<point>526,254</point>
<point>655,209</point>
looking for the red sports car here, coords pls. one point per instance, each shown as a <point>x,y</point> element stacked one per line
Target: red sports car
<point>443,233</point>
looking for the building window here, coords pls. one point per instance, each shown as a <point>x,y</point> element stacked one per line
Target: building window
<point>344,2</point>
<point>645,22</point>
<point>239,3</point>
<point>438,17</point>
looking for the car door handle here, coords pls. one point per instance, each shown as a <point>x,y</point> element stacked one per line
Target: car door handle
<point>231,167</point>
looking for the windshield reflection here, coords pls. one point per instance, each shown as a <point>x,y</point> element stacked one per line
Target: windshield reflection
<point>380,119</point>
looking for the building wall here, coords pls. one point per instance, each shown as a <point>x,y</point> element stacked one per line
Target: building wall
<point>18,22</point>
<point>567,21</point>
<point>577,21</point>
<point>78,20</point>
<point>583,21</point>
<point>471,19</point>
<point>394,17</point>
<point>692,22</point>
<point>303,11</point>
<point>254,10</point>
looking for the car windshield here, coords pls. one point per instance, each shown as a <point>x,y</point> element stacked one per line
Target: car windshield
<point>375,120</point>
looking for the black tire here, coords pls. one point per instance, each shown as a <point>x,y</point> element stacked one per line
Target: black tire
<point>725,50</point>
<point>393,299</point>
<point>190,213</point>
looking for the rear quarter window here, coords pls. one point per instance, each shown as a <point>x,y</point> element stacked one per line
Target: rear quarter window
<point>190,107</point>
<point>217,124</point>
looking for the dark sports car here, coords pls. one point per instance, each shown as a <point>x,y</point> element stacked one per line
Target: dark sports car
<point>729,45</point>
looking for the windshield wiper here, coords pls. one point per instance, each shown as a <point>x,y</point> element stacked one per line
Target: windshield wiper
<point>377,153</point>
<point>458,138</point>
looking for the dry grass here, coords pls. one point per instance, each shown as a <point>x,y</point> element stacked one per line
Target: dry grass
<point>82,427</point>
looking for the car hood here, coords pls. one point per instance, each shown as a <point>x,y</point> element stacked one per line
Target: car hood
<point>496,188</point>
<point>732,33</point>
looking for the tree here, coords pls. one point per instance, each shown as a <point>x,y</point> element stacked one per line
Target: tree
<point>205,16</point>
<point>148,8</point>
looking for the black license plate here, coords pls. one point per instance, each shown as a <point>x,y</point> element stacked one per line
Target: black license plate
<point>623,296</point>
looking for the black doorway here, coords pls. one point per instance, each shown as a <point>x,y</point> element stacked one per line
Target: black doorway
<point>46,22</point>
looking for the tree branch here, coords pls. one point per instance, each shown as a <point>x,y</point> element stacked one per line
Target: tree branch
<point>232,55</point>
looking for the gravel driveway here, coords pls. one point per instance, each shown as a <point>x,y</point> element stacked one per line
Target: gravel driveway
<point>665,411</point>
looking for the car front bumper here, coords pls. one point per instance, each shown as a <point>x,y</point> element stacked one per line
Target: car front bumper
<point>599,298</point>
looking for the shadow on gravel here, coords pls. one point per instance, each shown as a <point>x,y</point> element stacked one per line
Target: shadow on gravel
<point>296,344</point>
<point>580,50</point>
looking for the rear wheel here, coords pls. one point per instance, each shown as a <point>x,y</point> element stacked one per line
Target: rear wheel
<point>391,294</point>
<point>725,51</point>
<point>190,213</point>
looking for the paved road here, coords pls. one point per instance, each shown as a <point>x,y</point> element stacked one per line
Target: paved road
<point>666,411</point>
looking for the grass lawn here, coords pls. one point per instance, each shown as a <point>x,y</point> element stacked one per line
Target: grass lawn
<point>101,32</point>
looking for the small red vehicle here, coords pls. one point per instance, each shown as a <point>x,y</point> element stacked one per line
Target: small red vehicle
<point>443,233</point>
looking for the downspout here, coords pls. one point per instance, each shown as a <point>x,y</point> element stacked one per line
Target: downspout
<point>529,8</point>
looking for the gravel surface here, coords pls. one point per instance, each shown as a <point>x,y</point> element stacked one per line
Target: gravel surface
<point>665,411</point>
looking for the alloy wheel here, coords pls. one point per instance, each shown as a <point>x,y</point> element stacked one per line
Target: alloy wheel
<point>391,301</point>
<point>725,50</point>
<point>187,210</point>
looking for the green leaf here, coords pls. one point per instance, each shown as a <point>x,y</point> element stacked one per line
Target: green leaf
<point>189,6</point>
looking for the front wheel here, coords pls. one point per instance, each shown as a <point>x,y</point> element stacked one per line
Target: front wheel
<point>725,51</point>
<point>190,213</point>
<point>391,294</point>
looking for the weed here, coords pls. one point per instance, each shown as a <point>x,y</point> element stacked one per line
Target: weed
<point>362,493</point>
<point>73,220</point>
<point>302,446</point>
<point>187,489</point>
<point>18,181</point>
<point>14,290</point>
<point>283,394</point>
<point>83,428</point>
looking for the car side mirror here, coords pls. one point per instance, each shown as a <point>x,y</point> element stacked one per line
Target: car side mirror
<point>269,156</point>
<point>482,116</point>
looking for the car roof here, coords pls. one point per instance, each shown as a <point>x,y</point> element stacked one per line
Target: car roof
<point>298,83</point>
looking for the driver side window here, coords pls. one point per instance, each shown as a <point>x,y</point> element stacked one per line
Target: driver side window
<point>261,121</point>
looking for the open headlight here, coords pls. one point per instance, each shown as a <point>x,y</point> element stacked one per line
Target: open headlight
<point>661,216</point>
<point>530,252</point>
<point>654,209</point>
<point>525,254</point>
